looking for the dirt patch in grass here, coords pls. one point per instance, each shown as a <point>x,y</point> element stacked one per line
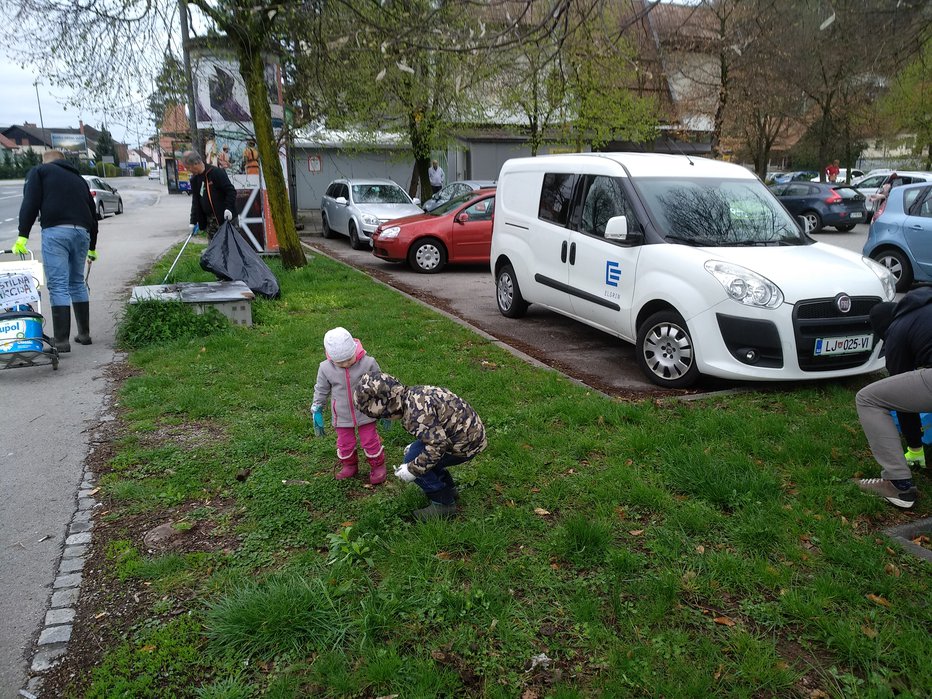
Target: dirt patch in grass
<point>188,434</point>
<point>110,610</point>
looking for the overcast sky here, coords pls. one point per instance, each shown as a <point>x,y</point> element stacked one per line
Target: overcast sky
<point>18,104</point>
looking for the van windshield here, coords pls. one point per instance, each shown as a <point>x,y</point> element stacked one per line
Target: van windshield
<point>718,212</point>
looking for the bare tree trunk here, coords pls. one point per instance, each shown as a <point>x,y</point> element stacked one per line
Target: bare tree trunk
<point>252,68</point>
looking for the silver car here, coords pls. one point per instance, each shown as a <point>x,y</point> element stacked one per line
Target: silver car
<point>106,198</point>
<point>355,208</point>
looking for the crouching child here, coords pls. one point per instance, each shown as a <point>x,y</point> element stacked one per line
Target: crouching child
<point>446,429</point>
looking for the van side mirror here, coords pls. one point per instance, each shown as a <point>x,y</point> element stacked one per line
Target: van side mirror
<point>617,228</point>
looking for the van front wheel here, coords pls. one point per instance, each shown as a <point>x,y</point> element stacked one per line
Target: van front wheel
<point>511,303</point>
<point>665,351</point>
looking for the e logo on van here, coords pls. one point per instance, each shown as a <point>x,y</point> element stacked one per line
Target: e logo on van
<point>612,273</point>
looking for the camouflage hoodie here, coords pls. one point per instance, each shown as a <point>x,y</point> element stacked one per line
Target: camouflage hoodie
<point>443,421</point>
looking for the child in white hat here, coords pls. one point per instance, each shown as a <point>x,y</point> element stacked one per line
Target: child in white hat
<point>337,376</point>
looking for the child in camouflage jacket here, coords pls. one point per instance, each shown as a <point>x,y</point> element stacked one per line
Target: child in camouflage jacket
<point>447,432</point>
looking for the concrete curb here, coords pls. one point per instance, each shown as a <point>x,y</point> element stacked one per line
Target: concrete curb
<point>906,532</point>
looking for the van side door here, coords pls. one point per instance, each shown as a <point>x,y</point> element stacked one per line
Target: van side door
<point>602,272</point>
<point>550,241</point>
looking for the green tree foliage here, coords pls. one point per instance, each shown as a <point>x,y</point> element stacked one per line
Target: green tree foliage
<point>907,107</point>
<point>106,146</point>
<point>13,166</point>
<point>170,89</point>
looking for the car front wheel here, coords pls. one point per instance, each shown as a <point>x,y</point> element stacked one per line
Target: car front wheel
<point>354,239</point>
<point>665,351</point>
<point>511,303</point>
<point>119,207</point>
<point>899,267</point>
<point>427,256</point>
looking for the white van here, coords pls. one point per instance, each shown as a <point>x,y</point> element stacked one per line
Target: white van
<point>692,260</point>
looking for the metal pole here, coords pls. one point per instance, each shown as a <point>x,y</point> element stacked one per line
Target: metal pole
<point>186,55</point>
<point>39,102</point>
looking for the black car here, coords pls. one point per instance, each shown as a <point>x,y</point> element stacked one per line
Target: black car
<point>822,204</point>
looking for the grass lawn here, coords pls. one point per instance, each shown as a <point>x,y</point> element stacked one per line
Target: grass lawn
<point>605,548</point>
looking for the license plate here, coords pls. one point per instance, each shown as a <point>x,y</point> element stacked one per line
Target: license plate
<point>856,214</point>
<point>826,346</point>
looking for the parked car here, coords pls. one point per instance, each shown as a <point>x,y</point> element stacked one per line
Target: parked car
<point>691,260</point>
<point>107,199</point>
<point>455,189</point>
<point>795,176</point>
<point>155,174</point>
<point>822,204</point>
<point>871,184</point>
<point>900,237</point>
<point>843,175</point>
<point>457,231</point>
<point>355,208</point>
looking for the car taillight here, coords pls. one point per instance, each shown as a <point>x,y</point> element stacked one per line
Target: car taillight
<point>880,207</point>
<point>833,198</point>
<point>93,194</point>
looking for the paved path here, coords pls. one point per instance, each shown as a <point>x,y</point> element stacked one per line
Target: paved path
<point>48,420</point>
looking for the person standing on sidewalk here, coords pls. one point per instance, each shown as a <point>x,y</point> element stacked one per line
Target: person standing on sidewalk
<point>446,429</point>
<point>906,330</point>
<point>58,195</point>
<point>213,196</point>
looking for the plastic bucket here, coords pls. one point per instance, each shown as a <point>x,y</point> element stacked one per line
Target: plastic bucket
<point>20,332</point>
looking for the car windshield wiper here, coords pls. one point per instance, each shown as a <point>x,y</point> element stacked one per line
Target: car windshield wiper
<point>686,240</point>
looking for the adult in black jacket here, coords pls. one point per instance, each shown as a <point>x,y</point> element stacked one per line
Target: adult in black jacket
<point>213,196</point>
<point>906,329</point>
<point>57,194</point>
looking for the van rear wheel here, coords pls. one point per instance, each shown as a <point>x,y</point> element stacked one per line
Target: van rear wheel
<point>665,351</point>
<point>511,303</point>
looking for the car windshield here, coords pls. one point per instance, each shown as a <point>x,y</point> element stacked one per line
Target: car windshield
<point>454,203</point>
<point>719,212</point>
<point>379,194</point>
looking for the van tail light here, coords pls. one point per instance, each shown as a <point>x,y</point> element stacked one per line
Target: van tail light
<point>833,198</point>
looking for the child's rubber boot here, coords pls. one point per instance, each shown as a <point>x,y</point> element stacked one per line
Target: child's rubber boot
<point>436,510</point>
<point>349,468</point>
<point>377,468</point>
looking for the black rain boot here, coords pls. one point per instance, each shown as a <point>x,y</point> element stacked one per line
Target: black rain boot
<point>61,325</point>
<point>82,313</point>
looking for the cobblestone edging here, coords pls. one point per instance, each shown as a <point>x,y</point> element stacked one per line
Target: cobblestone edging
<point>56,629</point>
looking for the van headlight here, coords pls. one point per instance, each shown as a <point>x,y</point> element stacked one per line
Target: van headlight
<point>885,276</point>
<point>745,286</point>
<point>390,233</point>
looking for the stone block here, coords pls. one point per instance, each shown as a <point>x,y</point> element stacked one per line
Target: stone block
<point>56,617</point>
<point>72,580</point>
<point>77,539</point>
<point>55,634</point>
<point>65,598</point>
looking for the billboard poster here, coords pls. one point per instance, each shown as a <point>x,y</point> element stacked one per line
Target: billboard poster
<point>223,115</point>
<point>69,142</point>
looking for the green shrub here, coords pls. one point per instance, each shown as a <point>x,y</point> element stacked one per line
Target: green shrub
<point>149,322</point>
<point>140,172</point>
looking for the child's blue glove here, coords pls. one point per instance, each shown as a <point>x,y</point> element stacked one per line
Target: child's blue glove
<point>385,423</point>
<point>317,412</point>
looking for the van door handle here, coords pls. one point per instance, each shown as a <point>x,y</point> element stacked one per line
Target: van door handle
<point>563,252</point>
<point>573,254</point>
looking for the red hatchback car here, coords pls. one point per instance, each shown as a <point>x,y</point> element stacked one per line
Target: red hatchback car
<point>457,231</point>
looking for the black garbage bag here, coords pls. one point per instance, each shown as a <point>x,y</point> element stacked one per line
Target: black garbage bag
<point>231,258</point>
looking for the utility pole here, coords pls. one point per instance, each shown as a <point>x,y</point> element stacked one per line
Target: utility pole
<point>186,54</point>
<point>39,102</point>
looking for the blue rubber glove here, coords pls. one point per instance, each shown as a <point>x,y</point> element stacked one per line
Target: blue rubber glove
<point>19,247</point>
<point>318,414</point>
<point>385,424</point>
